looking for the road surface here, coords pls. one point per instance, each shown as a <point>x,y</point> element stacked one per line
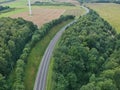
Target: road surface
<point>40,82</point>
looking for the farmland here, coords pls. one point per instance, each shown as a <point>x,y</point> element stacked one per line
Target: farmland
<point>110,12</point>
<point>41,14</point>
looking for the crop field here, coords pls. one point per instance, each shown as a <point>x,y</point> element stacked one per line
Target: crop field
<point>110,12</point>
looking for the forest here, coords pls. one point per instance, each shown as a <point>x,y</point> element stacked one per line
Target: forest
<point>87,56</point>
<point>14,34</point>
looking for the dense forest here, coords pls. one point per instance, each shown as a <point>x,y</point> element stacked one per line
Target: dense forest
<point>88,56</point>
<point>14,34</point>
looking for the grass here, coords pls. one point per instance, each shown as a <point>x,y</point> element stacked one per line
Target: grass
<point>36,56</point>
<point>50,81</point>
<point>110,12</point>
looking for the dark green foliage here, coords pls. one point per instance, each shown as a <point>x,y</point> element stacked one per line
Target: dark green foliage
<point>4,9</point>
<point>87,57</point>
<point>52,4</point>
<point>3,85</point>
<point>14,34</point>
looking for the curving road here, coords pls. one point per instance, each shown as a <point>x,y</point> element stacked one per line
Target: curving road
<point>40,82</point>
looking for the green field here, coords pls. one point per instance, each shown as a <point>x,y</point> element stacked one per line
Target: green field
<point>36,56</point>
<point>110,12</point>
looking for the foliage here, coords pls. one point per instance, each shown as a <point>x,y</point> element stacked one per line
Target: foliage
<point>5,9</point>
<point>87,57</point>
<point>14,34</point>
<point>52,3</point>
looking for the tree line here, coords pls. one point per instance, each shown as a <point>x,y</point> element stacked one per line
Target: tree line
<point>38,3</point>
<point>14,34</point>
<point>4,8</point>
<point>87,56</point>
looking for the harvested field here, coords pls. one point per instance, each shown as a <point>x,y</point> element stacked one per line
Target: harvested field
<point>41,16</point>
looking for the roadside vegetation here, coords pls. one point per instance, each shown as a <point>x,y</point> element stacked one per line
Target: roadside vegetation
<point>38,50</point>
<point>87,56</point>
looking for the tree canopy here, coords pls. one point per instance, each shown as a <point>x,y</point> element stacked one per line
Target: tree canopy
<point>14,34</point>
<point>87,57</point>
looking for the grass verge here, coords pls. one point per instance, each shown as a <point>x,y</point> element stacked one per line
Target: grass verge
<point>37,54</point>
<point>50,81</point>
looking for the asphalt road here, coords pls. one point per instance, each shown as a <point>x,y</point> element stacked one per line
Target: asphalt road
<point>40,82</point>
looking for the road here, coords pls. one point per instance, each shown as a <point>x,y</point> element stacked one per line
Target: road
<point>40,82</point>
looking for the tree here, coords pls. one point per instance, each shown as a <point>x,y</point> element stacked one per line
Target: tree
<point>117,78</point>
<point>3,85</point>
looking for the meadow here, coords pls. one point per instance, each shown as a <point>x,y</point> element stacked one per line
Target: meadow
<point>110,12</point>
